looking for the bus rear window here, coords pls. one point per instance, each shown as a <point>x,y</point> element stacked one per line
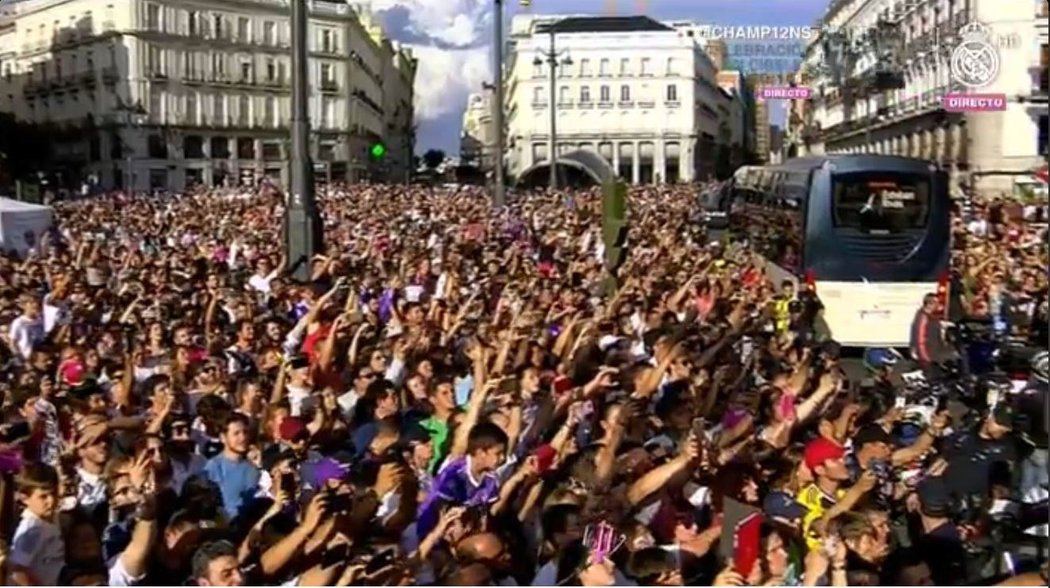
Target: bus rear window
<point>880,202</point>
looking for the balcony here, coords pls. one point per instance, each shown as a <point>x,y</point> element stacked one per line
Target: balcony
<point>87,78</point>
<point>605,104</point>
<point>646,104</point>
<point>276,83</point>
<point>32,88</point>
<point>329,86</point>
<point>586,104</point>
<point>672,104</point>
<point>539,104</point>
<point>565,104</point>
<point>193,78</point>
<point>626,103</point>
<point>157,76</point>
<point>110,75</point>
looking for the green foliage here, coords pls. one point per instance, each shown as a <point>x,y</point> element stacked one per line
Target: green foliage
<point>433,158</point>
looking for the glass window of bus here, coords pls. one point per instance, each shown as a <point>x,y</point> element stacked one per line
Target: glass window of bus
<point>880,201</point>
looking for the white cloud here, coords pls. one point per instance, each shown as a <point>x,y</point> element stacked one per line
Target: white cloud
<point>454,52</point>
<point>460,23</point>
<point>446,77</point>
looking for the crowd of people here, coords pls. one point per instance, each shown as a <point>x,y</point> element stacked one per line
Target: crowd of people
<point>459,396</point>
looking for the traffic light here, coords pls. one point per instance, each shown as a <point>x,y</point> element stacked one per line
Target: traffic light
<point>377,151</point>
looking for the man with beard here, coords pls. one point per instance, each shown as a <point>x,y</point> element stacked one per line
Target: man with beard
<point>92,447</point>
<point>182,456</point>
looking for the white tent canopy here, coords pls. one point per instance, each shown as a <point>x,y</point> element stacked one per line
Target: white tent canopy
<point>22,224</point>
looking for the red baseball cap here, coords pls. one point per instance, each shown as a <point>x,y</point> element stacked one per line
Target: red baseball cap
<point>292,429</point>
<point>822,450</point>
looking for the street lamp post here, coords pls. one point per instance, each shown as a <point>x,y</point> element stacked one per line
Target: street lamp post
<point>302,219</point>
<point>499,190</point>
<point>551,58</point>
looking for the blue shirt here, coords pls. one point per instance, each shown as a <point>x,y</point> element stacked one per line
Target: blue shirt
<point>455,485</point>
<point>238,481</point>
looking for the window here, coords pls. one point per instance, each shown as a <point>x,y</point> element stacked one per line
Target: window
<point>246,71</point>
<point>218,65</point>
<point>603,67</point>
<point>672,67</point>
<point>672,93</point>
<point>537,95</point>
<point>153,60</point>
<point>189,66</point>
<point>271,111</point>
<point>153,17</point>
<point>604,94</point>
<point>326,73</point>
<point>625,93</point>
<point>220,26</point>
<point>537,69</point>
<point>191,108</point>
<point>1043,141</point>
<point>218,109</point>
<point>585,67</point>
<point>880,202</point>
<point>244,28</point>
<point>271,70</point>
<point>625,66</point>
<point>327,112</point>
<point>270,32</point>
<point>244,109</point>
<point>563,95</point>
<point>327,41</point>
<point>156,104</point>
<point>646,66</point>
<point>194,23</point>
<point>585,94</point>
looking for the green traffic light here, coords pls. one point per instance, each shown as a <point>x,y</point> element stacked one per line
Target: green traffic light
<point>378,150</point>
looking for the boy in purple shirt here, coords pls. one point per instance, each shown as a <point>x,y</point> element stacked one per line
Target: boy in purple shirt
<point>469,481</point>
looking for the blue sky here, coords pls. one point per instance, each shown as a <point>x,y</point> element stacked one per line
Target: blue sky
<point>453,41</point>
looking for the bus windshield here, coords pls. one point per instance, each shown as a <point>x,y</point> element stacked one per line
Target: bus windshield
<point>880,202</point>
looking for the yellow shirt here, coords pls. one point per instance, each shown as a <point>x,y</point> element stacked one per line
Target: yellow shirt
<point>781,314</point>
<point>818,503</point>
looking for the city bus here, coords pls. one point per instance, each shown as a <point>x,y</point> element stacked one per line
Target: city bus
<point>869,234</point>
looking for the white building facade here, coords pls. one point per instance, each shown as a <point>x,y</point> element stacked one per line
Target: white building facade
<point>638,92</point>
<point>987,151</point>
<point>161,94</point>
<point>477,141</point>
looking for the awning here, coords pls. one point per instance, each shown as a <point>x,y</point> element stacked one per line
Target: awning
<point>1041,174</point>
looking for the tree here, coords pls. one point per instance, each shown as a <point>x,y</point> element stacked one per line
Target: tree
<point>433,158</point>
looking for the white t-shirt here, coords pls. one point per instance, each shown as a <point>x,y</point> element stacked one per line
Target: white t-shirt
<point>300,400</point>
<point>91,489</point>
<point>119,576</point>
<point>25,334</point>
<point>38,546</point>
<point>262,283</point>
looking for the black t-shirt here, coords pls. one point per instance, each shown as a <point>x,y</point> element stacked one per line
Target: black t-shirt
<point>945,555</point>
<point>971,459</point>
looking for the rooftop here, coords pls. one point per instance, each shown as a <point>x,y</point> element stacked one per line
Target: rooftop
<point>604,24</point>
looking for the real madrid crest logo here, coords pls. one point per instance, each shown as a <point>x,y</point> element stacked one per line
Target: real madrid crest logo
<point>975,62</point>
